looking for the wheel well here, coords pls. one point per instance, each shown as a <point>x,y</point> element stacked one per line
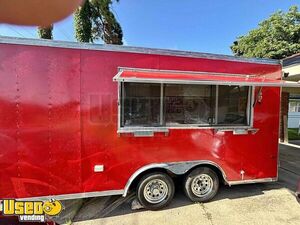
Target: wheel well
<point>135,182</point>
<point>214,168</point>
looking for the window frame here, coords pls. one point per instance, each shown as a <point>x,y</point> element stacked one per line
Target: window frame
<point>121,98</point>
<point>249,110</point>
<point>164,128</point>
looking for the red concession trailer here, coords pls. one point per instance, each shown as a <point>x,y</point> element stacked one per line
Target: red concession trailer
<point>85,120</point>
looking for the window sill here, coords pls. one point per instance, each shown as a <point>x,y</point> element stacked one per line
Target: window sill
<point>143,131</point>
<point>149,131</point>
<point>238,130</point>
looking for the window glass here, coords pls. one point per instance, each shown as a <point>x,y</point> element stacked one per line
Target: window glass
<point>189,104</point>
<point>141,104</point>
<point>185,104</point>
<point>232,105</point>
<point>294,106</point>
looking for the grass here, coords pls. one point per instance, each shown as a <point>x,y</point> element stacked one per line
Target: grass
<point>293,134</point>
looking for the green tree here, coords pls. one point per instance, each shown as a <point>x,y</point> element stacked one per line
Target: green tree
<point>94,20</point>
<point>45,32</point>
<point>83,23</point>
<point>276,37</point>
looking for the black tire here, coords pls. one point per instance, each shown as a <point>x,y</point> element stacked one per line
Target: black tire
<point>201,184</point>
<point>158,182</point>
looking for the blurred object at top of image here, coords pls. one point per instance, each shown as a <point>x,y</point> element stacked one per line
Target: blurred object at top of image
<point>36,12</point>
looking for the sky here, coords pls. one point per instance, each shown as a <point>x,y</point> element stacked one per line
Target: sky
<point>192,25</point>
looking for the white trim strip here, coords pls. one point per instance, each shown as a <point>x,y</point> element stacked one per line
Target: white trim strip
<point>210,82</point>
<point>133,69</point>
<point>262,180</point>
<point>75,195</point>
<point>289,144</point>
<point>216,105</point>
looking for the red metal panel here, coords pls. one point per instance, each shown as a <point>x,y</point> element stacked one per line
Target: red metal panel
<point>50,155</point>
<point>64,119</point>
<point>47,93</point>
<point>99,118</point>
<point>218,66</point>
<point>32,145</point>
<point>260,157</point>
<point>127,153</point>
<point>8,108</point>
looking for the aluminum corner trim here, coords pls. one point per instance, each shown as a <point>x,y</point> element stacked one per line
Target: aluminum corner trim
<point>253,181</point>
<point>75,195</point>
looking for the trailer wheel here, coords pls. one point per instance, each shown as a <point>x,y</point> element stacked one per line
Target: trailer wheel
<point>201,184</point>
<point>155,190</point>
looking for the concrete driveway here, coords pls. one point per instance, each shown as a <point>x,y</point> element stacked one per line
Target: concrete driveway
<point>269,203</point>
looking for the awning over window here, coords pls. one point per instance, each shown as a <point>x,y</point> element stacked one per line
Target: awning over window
<point>149,76</point>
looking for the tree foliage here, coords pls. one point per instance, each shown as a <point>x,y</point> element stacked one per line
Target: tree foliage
<point>276,37</point>
<point>83,23</point>
<point>45,32</point>
<point>94,20</point>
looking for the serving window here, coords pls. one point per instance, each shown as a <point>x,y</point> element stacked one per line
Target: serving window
<point>141,104</point>
<point>188,104</point>
<point>184,105</point>
<point>232,105</point>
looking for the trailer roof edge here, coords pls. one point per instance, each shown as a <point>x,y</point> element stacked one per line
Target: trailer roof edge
<point>142,50</point>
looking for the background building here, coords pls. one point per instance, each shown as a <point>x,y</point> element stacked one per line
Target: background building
<point>290,111</point>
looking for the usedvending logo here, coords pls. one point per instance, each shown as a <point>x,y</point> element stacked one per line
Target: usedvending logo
<point>30,211</point>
